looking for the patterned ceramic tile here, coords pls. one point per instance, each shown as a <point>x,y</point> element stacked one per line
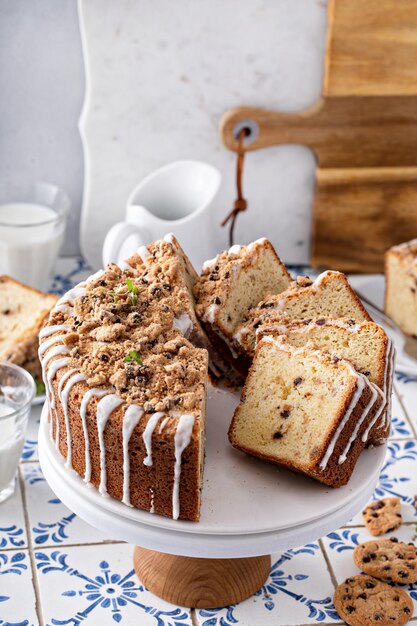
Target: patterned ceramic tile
<point>51,523</point>
<point>12,522</point>
<point>401,427</point>
<point>30,449</point>
<point>398,478</point>
<point>97,585</point>
<point>340,545</point>
<point>406,384</point>
<point>299,591</point>
<point>17,596</point>
<point>69,272</point>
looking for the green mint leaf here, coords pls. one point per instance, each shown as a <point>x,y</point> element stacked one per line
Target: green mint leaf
<point>40,388</point>
<point>129,284</point>
<point>133,356</point>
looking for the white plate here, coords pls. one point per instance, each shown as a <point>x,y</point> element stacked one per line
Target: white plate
<point>242,494</point>
<point>37,400</point>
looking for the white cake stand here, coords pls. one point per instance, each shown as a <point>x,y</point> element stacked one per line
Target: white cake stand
<point>250,508</point>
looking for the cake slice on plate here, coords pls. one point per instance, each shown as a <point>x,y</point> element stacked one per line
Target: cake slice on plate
<point>23,311</point>
<point>330,295</point>
<point>230,284</point>
<point>304,410</point>
<point>366,345</point>
<point>401,286</point>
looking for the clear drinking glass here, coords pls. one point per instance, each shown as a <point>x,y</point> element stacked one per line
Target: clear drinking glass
<point>32,226</point>
<point>17,390</point>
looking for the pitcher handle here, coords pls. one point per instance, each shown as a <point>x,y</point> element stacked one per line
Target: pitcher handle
<point>117,236</point>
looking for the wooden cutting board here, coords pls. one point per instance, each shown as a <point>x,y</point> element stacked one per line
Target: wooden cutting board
<point>363,132</point>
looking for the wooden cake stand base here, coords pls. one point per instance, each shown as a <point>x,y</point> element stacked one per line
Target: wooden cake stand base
<point>200,583</point>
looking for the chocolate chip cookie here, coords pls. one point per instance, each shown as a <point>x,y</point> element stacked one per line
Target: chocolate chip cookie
<point>383,516</point>
<point>389,559</point>
<point>363,601</point>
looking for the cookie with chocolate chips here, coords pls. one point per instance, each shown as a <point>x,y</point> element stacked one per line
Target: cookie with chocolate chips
<point>363,601</point>
<point>383,516</point>
<point>388,559</point>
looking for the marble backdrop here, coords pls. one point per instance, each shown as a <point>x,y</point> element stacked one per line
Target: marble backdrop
<point>160,75</point>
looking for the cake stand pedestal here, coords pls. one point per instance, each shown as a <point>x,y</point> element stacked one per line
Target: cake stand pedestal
<point>249,510</point>
<point>200,583</point>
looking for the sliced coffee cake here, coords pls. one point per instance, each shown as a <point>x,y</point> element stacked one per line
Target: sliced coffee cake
<point>232,283</point>
<point>401,286</point>
<point>304,410</point>
<point>366,346</point>
<point>330,295</point>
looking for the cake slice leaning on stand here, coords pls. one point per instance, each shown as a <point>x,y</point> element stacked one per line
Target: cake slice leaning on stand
<point>304,410</point>
<point>365,344</point>
<point>126,388</point>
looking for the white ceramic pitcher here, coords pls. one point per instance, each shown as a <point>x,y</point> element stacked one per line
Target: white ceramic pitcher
<point>175,198</point>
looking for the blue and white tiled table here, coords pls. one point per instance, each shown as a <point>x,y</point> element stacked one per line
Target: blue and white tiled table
<point>55,569</point>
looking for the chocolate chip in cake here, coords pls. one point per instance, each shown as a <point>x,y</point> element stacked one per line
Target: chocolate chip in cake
<point>285,413</point>
<point>278,435</point>
<point>105,358</point>
<point>321,321</point>
<point>378,617</point>
<point>216,300</point>
<point>297,381</point>
<point>6,312</point>
<point>167,286</point>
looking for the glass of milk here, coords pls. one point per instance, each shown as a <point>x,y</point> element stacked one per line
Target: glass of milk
<point>17,390</point>
<point>32,227</point>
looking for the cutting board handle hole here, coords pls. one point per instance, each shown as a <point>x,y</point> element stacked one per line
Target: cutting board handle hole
<point>251,129</point>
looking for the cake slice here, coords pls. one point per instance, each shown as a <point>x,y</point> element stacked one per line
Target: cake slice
<point>22,313</point>
<point>330,295</point>
<point>166,269</point>
<point>230,284</point>
<point>304,410</point>
<point>366,346</point>
<point>401,286</point>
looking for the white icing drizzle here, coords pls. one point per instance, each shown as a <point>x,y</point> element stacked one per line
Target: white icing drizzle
<point>65,308</point>
<point>181,440</point>
<point>360,386</point>
<point>322,276</point>
<point>383,406</point>
<point>45,345</point>
<point>52,352</point>
<point>94,276</point>
<point>184,324</point>
<point>147,436</point>
<point>163,424</point>
<point>152,508</point>
<point>53,368</point>
<point>374,397</point>
<point>99,393</point>
<point>64,401</point>
<point>209,263</point>
<point>169,238</point>
<point>257,242</point>
<point>72,294</point>
<point>61,383</point>
<point>131,419</point>
<point>104,410</point>
<point>235,249</point>
<point>50,330</point>
<point>210,314</point>
<point>144,253</point>
<point>124,265</point>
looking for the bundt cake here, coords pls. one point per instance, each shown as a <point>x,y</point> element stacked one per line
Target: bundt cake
<point>126,359</point>
<point>229,285</point>
<point>127,388</point>
<point>305,410</point>
<point>401,286</point>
